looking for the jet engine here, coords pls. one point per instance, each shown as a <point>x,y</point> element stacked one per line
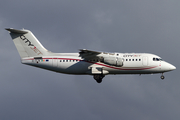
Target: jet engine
<point>115,61</point>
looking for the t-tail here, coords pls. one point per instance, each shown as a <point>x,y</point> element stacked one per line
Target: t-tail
<point>27,44</point>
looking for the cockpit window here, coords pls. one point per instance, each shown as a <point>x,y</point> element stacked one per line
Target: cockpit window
<point>157,59</point>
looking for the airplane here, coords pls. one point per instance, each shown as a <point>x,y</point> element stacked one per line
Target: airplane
<point>86,62</point>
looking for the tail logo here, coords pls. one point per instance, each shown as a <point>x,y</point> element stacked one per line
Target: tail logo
<point>36,50</point>
<point>26,40</point>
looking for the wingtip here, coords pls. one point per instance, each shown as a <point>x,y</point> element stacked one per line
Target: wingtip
<point>82,49</point>
<point>8,29</point>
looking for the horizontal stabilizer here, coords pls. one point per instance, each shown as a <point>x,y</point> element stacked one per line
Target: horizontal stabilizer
<point>16,31</point>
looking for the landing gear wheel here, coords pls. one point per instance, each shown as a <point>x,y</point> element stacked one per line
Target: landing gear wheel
<point>162,77</point>
<point>98,78</point>
<point>99,81</point>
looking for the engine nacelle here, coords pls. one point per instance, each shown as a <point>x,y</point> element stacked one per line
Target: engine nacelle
<point>115,61</point>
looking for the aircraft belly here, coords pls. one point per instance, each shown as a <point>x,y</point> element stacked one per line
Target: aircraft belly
<point>73,68</point>
<point>132,70</point>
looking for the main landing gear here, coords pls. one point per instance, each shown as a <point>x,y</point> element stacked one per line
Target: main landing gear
<point>162,76</point>
<point>99,77</point>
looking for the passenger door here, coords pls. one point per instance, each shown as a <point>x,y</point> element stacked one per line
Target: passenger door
<point>55,62</point>
<point>145,61</point>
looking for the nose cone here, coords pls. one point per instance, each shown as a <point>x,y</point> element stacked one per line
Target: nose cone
<point>167,66</point>
<point>172,67</point>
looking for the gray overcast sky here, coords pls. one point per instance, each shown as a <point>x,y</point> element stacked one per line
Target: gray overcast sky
<point>151,26</point>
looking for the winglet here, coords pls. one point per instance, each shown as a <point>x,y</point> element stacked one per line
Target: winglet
<point>16,31</point>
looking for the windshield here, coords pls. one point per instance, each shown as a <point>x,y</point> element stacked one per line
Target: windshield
<point>157,59</point>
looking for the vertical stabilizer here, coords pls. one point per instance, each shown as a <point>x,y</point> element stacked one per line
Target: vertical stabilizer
<point>26,43</point>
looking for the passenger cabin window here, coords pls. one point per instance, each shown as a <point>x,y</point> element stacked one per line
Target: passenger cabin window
<point>133,59</point>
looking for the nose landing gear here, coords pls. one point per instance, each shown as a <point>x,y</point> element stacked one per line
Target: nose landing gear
<point>162,76</point>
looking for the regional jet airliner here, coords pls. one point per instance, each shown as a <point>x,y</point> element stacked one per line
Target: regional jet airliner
<point>86,62</point>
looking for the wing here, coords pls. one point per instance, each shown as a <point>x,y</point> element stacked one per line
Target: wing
<point>89,54</point>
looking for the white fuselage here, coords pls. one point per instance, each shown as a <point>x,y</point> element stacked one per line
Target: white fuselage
<point>133,63</point>
<point>86,61</point>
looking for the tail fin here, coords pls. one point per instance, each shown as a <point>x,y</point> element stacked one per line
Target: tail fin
<point>26,43</point>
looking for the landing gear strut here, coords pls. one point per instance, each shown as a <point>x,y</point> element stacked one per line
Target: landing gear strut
<point>162,76</point>
<point>99,78</point>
